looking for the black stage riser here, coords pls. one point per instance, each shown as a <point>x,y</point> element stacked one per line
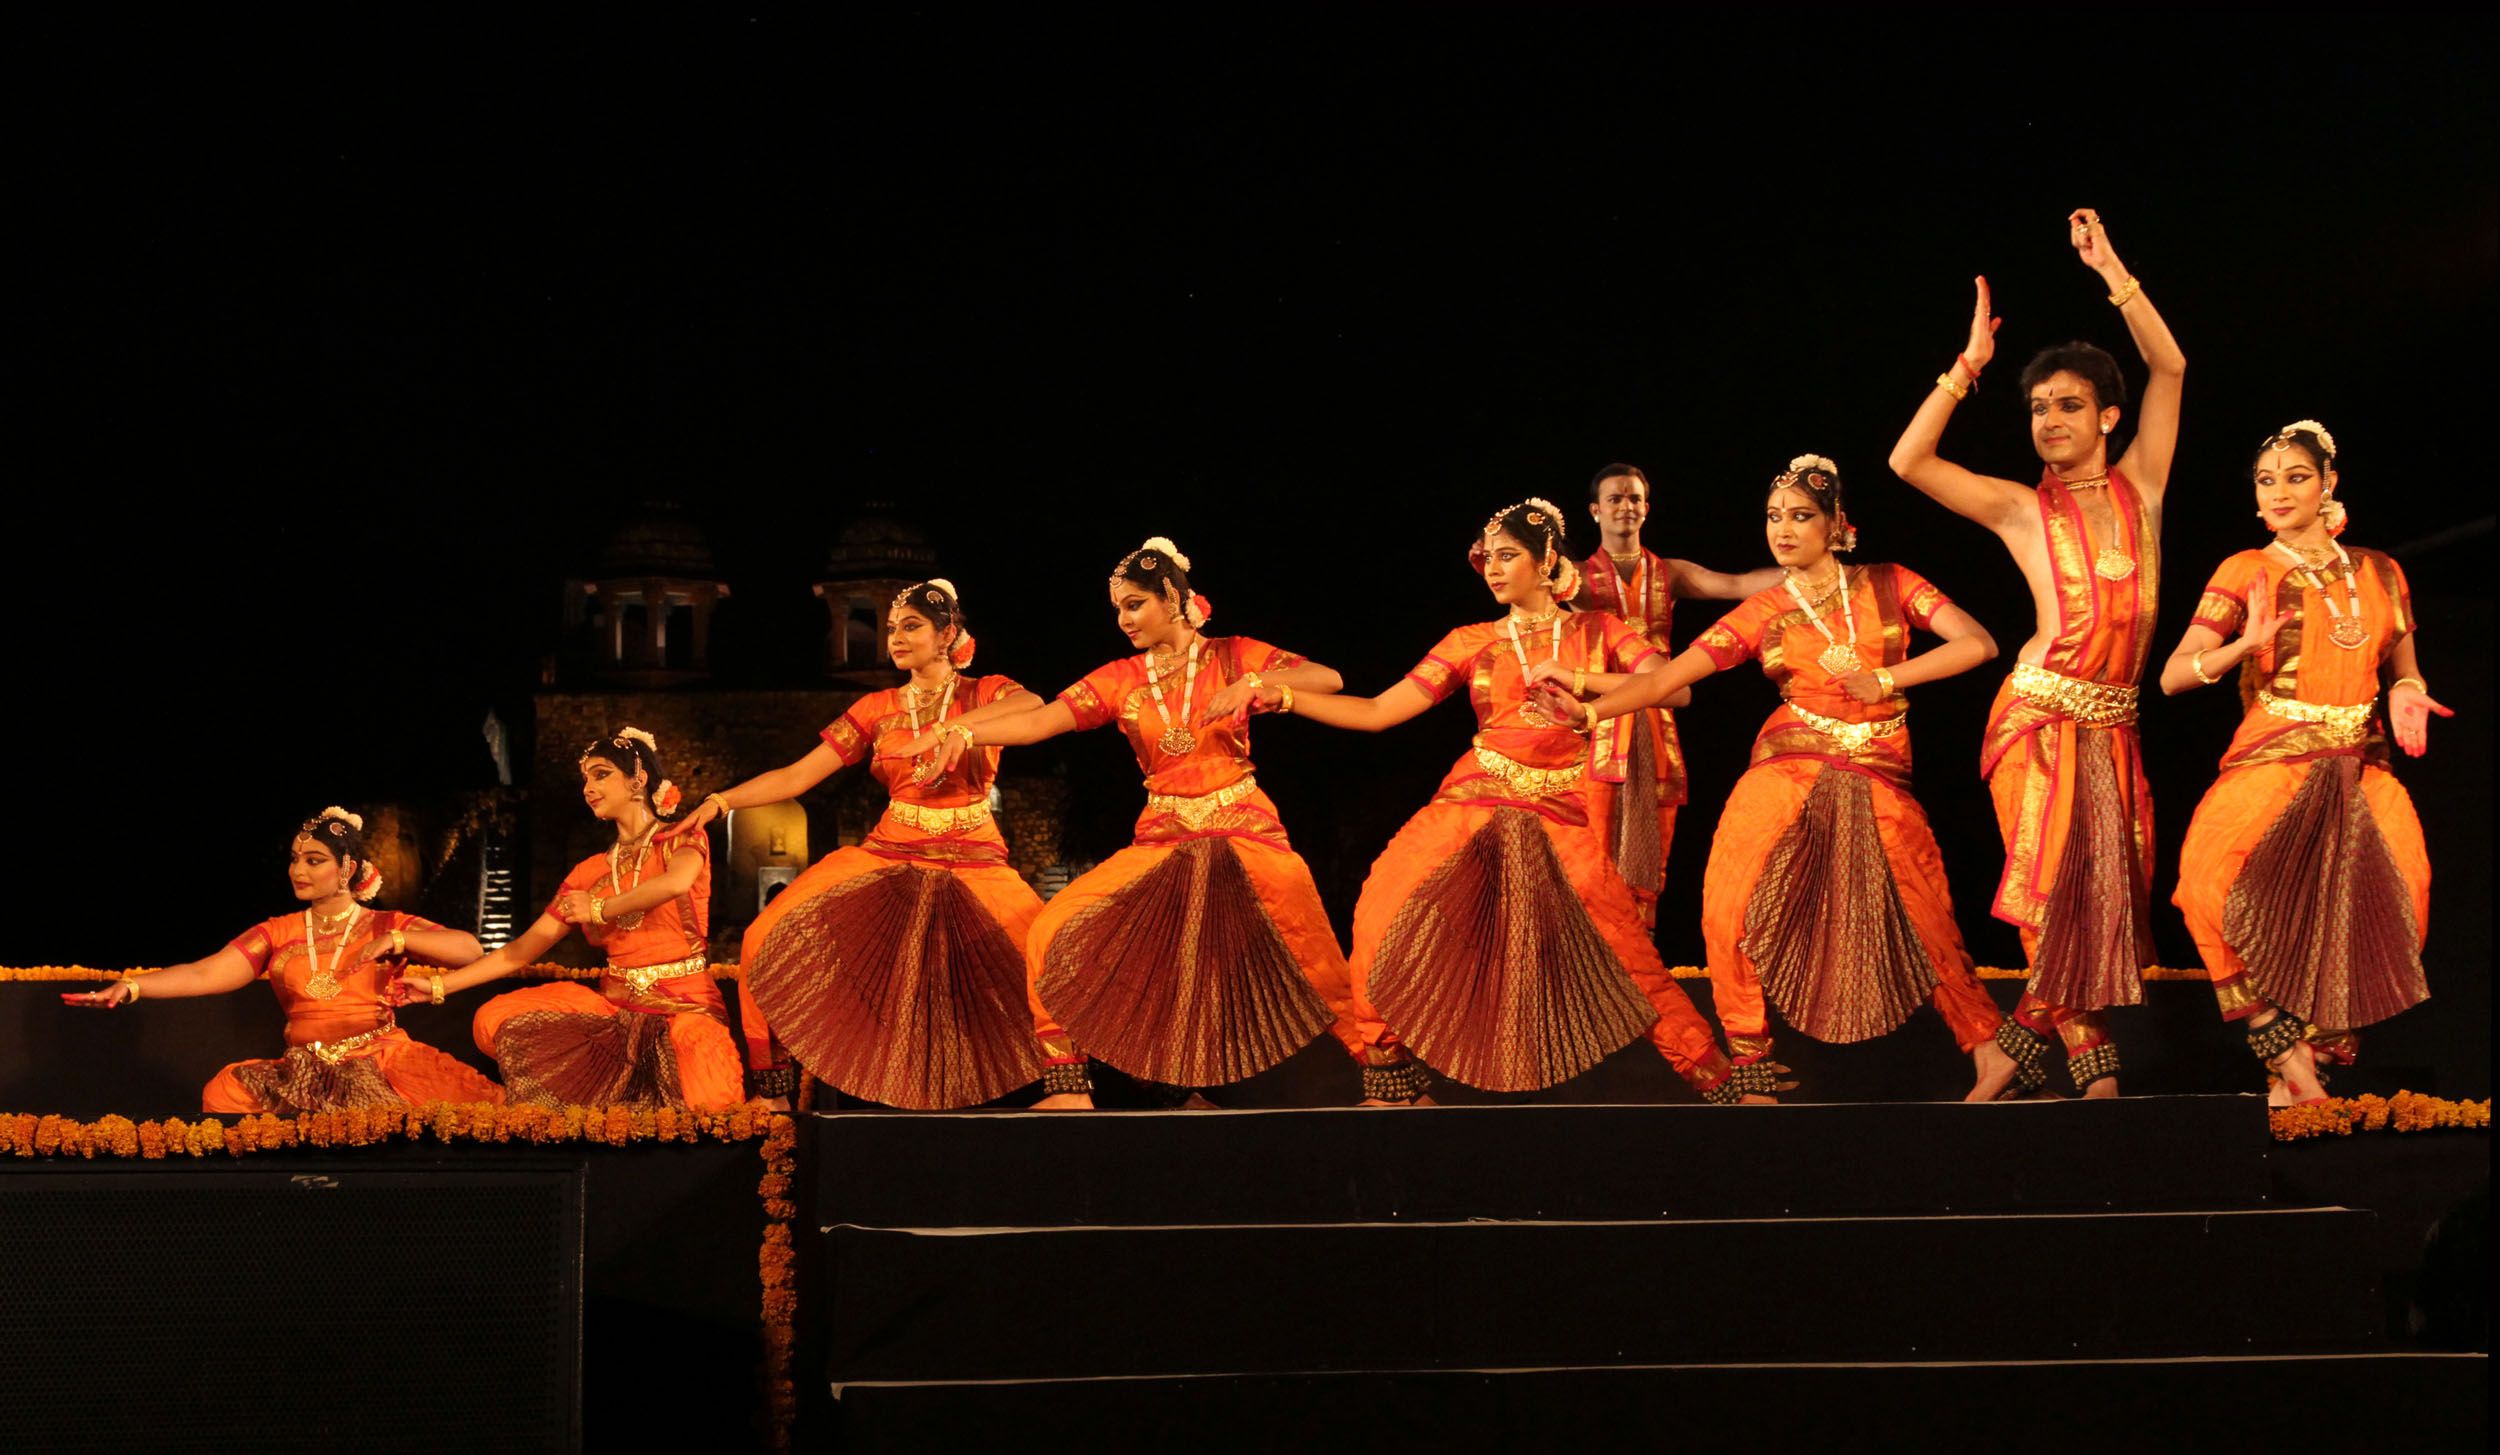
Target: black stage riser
<point>1451,1163</point>
<point>2381,1402</point>
<point>1049,1303</point>
<point>305,1304</point>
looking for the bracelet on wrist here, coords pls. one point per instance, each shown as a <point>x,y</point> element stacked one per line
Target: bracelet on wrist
<point>133,983</point>
<point>1952,386</point>
<point>1883,679</point>
<point>1284,700</point>
<point>2126,292</point>
<point>719,801</point>
<point>598,910</point>
<point>434,983</point>
<point>2416,683</point>
<point>1971,368</point>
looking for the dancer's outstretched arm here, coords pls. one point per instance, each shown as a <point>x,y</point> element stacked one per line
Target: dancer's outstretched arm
<point>1998,504</point>
<point>2148,456</point>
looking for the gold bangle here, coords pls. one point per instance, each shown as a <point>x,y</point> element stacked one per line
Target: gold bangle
<point>2416,683</point>
<point>1946,382</point>
<point>2196,664</point>
<point>1254,679</point>
<point>1579,681</point>
<point>399,943</point>
<point>133,983</point>
<point>435,983</point>
<point>1284,703</point>
<point>598,910</point>
<point>1883,679</point>
<point>2126,292</point>
<point>720,798</point>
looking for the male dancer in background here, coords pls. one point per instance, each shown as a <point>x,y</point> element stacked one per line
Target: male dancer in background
<point>2060,754</point>
<point>1639,781</point>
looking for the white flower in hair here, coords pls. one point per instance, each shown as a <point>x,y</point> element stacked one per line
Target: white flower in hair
<point>353,821</point>
<point>2313,427</point>
<point>1547,506</point>
<point>638,735</point>
<point>1814,462</point>
<point>942,584</point>
<point>1164,544</point>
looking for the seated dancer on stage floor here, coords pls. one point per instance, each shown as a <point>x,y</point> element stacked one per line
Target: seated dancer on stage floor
<point>657,1028</point>
<point>1826,890</point>
<point>1200,954</point>
<point>1493,933</point>
<point>895,968</point>
<point>330,967</point>
<point>2060,753</point>
<point>1634,802</point>
<point>2304,877</point>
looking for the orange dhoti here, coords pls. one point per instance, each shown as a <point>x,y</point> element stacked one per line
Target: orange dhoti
<point>388,1069</point>
<point>1825,885</point>
<point>565,1044</point>
<point>900,980</point>
<point>1193,962</point>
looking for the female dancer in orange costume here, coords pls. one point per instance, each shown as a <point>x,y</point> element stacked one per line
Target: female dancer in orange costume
<point>344,1048</point>
<point>1199,954</point>
<point>1826,891</point>
<point>895,967</point>
<point>2304,877</point>
<point>1635,803</point>
<point>657,1028</point>
<point>1493,932</point>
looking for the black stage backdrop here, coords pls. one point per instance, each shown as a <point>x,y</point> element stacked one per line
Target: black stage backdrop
<point>352,339</point>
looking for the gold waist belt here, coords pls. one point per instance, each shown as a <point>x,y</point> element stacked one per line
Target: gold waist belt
<point>1528,782</point>
<point>1194,810</point>
<point>1853,737</point>
<point>334,1052</point>
<point>2347,725</point>
<point>643,977</point>
<point>939,820</point>
<point>2098,704</point>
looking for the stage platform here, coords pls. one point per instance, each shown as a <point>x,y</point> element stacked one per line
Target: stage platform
<point>2060,1275</point>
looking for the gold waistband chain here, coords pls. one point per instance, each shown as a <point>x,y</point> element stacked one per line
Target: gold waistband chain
<point>1194,810</point>
<point>334,1052</point>
<point>643,977</point>
<point>1853,737</point>
<point>2099,704</point>
<point>2346,724</point>
<point>1528,782</point>
<point>939,820</point>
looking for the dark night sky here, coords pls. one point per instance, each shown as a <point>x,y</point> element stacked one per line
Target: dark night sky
<point>353,338</point>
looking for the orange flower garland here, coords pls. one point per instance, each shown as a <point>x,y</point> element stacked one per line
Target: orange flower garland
<point>2406,1111</point>
<point>29,1135</point>
<point>728,970</point>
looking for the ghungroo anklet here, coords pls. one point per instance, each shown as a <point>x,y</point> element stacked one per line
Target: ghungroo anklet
<point>2029,1051</point>
<point>2087,1067</point>
<point>774,1080</point>
<point>1397,1082</point>
<point>2275,1039</point>
<point>1067,1078</point>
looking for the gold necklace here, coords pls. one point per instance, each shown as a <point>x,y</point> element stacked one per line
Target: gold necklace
<point>1535,619</point>
<point>2088,482</point>
<point>331,924</point>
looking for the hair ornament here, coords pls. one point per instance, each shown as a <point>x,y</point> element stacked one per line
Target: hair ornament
<point>368,883</point>
<point>2331,510</point>
<point>1164,544</point>
<point>353,821</point>
<point>1814,462</point>
<point>1567,581</point>
<point>2304,426</point>
<point>960,651</point>
<point>637,735</point>
<point>664,800</point>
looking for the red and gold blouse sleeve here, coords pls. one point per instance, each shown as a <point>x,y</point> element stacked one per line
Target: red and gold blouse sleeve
<point>853,733</point>
<point>2223,609</point>
<point>1096,698</point>
<point>1921,602</point>
<point>1626,649</point>
<point>584,875</point>
<point>1737,636</point>
<point>1253,655</point>
<point>255,945</point>
<point>1444,669</point>
<point>404,922</point>
<point>2399,594</point>
<point>993,687</point>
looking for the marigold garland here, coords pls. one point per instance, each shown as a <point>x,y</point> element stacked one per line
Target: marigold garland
<point>2406,1111</point>
<point>25,1134</point>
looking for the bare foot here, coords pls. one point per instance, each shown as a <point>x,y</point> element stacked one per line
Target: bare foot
<point>1757,1099</point>
<point>2105,1089</point>
<point>777,1103</point>
<point>1418,1101</point>
<point>2295,1078</point>
<point>1995,1072</point>
<point>1066,1101</point>
<point>1199,1103</point>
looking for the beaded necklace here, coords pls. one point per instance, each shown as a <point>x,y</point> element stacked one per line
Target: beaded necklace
<point>1177,739</point>
<point>1839,658</point>
<point>1529,712</point>
<point>927,769</point>
<point>2348,630</point>
<point>324,983</point>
